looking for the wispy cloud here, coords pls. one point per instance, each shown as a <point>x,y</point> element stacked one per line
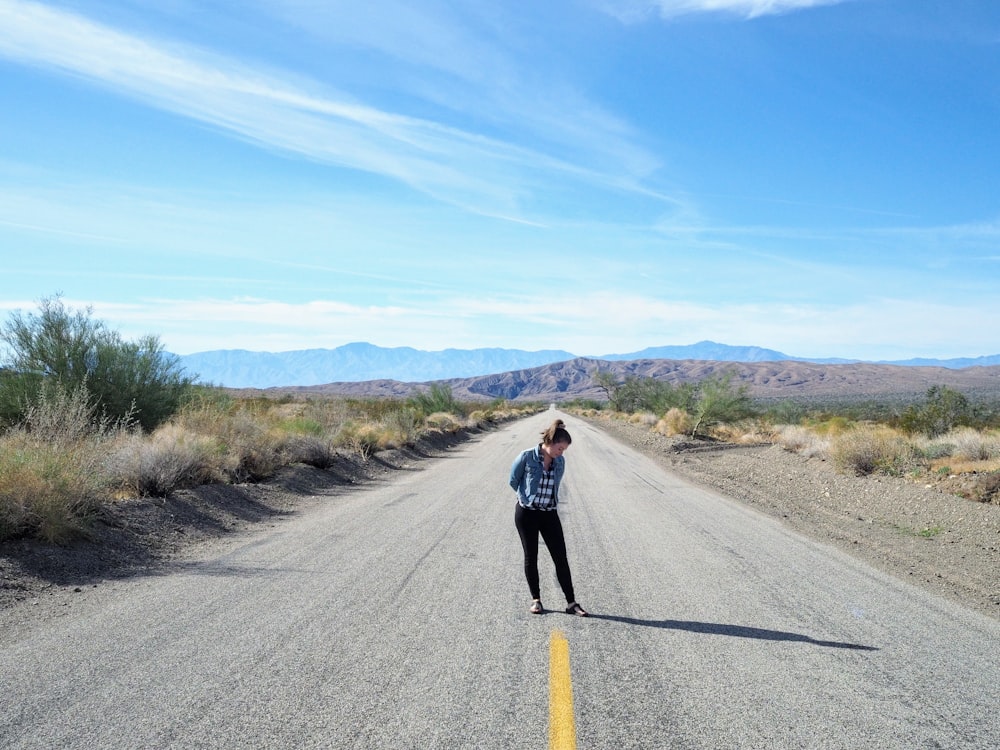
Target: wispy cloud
<point>630,11</point>
<point>473,58</point>
<point>479,172</point>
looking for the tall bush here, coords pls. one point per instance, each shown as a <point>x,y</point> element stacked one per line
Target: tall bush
<point>638,394</point>
<point>137,379</point>
<point>943,410</point>
<point>53,470</point>
<point>438,398</point>
<point>720,400</point>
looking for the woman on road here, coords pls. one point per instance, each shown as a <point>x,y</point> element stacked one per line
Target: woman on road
<point>535,476</point>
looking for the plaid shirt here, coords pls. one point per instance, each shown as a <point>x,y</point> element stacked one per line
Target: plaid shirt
<point>546,497</point>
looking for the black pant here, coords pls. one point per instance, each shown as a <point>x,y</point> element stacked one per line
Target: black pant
<point>531,523</point>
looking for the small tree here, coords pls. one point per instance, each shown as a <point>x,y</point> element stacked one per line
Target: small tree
<point>607,382</point>
<point>123,378</point>
<point>645,394</point>
<point>944,409</point>
<point>718,401</point>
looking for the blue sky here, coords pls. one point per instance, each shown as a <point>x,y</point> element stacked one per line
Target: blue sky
<point>820,177</point>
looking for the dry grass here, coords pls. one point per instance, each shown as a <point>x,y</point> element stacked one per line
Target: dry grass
<point>866,449</point>
<point>47,489</point>
<point>643,418</point>
<point>964,465</point>
<point>801,439</point>
<point>674,422</point>
<point>974,445</point>
<point>745,432</point>
<point>59,467</point>
<point>171,458</point>
<point>968,459</point>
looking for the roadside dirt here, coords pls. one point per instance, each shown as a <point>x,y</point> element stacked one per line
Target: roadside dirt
<point>928,537</point>
<point>914,531</point>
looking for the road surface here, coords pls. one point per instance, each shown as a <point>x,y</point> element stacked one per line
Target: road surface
<point>396,617</point>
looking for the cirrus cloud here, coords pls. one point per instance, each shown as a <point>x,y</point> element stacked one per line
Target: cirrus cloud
<point>629,11</point>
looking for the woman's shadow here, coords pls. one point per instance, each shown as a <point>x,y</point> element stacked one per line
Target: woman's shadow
<point>734,631</point>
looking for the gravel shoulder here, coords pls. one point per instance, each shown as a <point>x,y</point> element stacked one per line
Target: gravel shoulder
<point>933,539</point>
<point>916,532</point>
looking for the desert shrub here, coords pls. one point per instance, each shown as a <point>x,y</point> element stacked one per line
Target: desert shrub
<point>674,422</point>
<point>125,379</point>
<point>329,414</point>
<point>171,458</point>
<point>644,418</point>
<point>359,437</point>
<point>974,445</point>
<point>443,421</point>
<point>932,449</point>
<point>583,405</point>
<point>719,400</point>
<point>53,472</point>
<point>963,444</point>
<point>312,450</point>
<point>745,432</point>
<point>372,409</point>
<point>60,414</point>
<point>404,423</point>
<point>301,425</point>
<point>784,410</point>
<point>639,394</point>
<point>803,440</point>
<point>480,417</point>
<point>497,410</point>
<point>943,410</point>
<point>794,437</point>
<point>831,426</point>
<point>437,399</point>
<point>986,488</point>
<point>249,447</point>
<point>868,449</point>
<point>48,490</point>
<point>253,451</point>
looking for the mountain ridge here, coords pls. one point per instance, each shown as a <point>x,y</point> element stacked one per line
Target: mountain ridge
<point>361,361</point>
<point>576,379</point>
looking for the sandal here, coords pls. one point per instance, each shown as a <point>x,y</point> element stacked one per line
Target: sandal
<point>576,609</point>
<point>536,607</point>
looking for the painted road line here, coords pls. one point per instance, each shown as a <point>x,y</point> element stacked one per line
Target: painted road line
<point>562,731</point>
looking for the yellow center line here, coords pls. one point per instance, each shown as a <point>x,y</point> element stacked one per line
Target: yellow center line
<point>562,731</point>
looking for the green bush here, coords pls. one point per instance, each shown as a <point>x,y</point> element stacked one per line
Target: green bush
<point>719,400</point>
<point>126,379</point>
<point>943,410</point>
<point>636,394</point>
<point>437,399</point>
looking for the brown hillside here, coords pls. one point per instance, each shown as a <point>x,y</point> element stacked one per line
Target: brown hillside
<point>575,379</point>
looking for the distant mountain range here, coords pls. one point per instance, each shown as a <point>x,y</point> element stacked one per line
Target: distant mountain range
<point>576,379</point>
<point>359,362</point>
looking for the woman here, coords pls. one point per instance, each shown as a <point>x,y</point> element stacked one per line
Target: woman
<point>535,476</point>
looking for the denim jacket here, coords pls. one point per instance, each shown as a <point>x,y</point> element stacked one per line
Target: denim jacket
<point>526,475</point>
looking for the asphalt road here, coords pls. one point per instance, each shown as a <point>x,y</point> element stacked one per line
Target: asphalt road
<point>396,617</point>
